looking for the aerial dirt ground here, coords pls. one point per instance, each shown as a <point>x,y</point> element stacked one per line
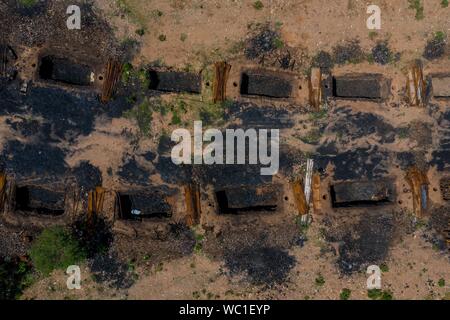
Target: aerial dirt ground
<point>59,137</point>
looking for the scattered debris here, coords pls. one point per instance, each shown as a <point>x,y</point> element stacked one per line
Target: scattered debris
<point>262,44</point>
<point>88,177</point>
<point>435,48</point>
<point>381,53</point>
<point>349,52</point>
<point>107,268</point>
<point>324,61</point>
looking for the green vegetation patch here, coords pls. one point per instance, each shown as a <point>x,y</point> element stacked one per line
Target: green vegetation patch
<point>55,248</point>
<point>320,280</point>
<point>15,276</point>
<point>143,115</point>
<point>258,5</point>
<point>378,294</point>
<point>418,6</point>
<point>28,3</point>
<point>345,294</point>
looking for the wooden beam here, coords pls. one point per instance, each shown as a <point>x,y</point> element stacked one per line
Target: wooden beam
<point>317,205</point>
<point>299,196</point>
<point>222,70</point>
<point>315,89</point>
<point>111,79</point>
<point>418,182</point>
<point>193,207</point>
<point>416,85</point>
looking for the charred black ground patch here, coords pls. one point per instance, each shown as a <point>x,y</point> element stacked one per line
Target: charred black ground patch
<point>324,61</point>
<point>7,58</point>
<point>437,224</point>
<point>32,128</point>
<point>223,176</point>
<point>172,173</point>
<point>133,172</point>
<point>441,159</point>
<point>441,156</point>
<point>349,52</point>
<point>37,24</point>
<point>356,164</point>
<point>107,268</point>
<point>88,177</point>
<point>382,54</point>
<point>352,126</point>
<point>29,8</point>
<point>172,81</point>
<point>262,265</point>
<point>38,159</point>
<point>262,43</point>
<point>34,199</point>
<point>68,114</point>
<point>63,70</point>
<point>435,48</point>
<point>328,148</point>
<point>165,144</point>
<point>408,159</point>
<point>259,83</point>
<point>253,116</point>
<point>93,234</point>
<point>367,243</point>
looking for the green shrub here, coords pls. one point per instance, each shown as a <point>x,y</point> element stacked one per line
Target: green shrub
<point>417,5</point>
<point>28,3</point>
<point>258,5</point>
<point>140,32</point>
<point>55,248</point>
<point>444,3</point>
<point>345,294</point>
<point>378,294</point>
<point>143,115</point>
<point>441,282</point>
<point>384,267</point>
<point>127,72</point>
<point>15,276</point>
<point>320,280</point>
<point>439,36</point>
